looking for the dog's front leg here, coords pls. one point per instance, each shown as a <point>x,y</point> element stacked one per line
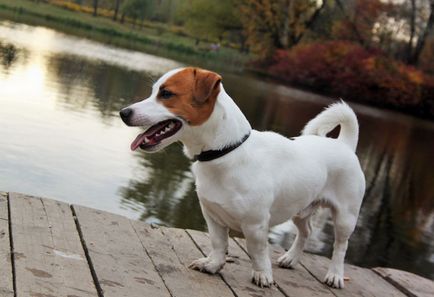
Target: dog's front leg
<point>257,247</point>
<point>219,242</point>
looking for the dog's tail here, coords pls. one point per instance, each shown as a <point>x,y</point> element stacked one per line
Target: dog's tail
<point>336,114</point>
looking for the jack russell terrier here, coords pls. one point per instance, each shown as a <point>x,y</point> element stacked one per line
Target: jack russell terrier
<point>249,180</point>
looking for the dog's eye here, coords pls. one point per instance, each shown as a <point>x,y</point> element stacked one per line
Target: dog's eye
<point>165,94</point>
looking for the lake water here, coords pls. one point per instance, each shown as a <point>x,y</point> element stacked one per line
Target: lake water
<point>61,137</point>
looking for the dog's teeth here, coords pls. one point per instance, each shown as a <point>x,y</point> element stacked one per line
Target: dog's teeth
<point>171,125</point>
<point>167,129</point>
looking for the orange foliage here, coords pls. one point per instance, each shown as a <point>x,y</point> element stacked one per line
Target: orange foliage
<point>359,25</point>
<point>347,70</point>
<point>270,24</point>
<point>427,57</point>
<point>81,8</point>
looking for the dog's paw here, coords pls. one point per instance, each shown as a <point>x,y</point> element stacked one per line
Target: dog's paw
<point>262,278</point>
<point>207,265</point>
<point>288,260</point>
<point>334,280</point>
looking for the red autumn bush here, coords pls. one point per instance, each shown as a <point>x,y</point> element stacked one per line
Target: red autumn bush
<point>347,70</point>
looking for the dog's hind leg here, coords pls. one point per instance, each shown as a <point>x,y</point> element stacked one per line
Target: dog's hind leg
<point>219,242</point>
<point>292,256</point>
<point>344,224</point>
<point>257,247</point>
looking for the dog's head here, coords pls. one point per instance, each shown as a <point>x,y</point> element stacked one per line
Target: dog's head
<point>181,98</point>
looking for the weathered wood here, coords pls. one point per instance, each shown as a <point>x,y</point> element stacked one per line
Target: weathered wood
<point>6,279</point>
<point>409,283</point>
<point>171,251</point>
<point>293,282</point>
<point>48,255</point>
<point>362,281</point>
<point>119,260</point>
<point>238,273</point>
<point>59,251</point>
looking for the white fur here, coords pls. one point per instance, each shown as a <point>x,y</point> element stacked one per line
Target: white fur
<point>336,114</point>
<point>268,180</point>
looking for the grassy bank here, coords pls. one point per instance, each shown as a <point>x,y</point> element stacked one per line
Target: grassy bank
<point>148,39</point>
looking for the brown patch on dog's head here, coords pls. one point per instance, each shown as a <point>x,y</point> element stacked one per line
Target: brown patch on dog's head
<point>191,94</point>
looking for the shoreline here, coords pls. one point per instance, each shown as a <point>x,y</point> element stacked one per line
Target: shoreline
<point>167,45</point>
<point>102,29</point>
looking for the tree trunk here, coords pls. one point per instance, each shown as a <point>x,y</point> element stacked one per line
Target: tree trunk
<point>122,18</point>
<point>412,30</point>
<point>284,34</point>
<point>309,23</point>
<point>352,24</point>
<point>414,59</point>
<point>117,4</point>
<point>95,7</point>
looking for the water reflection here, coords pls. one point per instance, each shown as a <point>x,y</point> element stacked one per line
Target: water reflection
<point>97,85</point>
<point>167,192</point>
<point>8,54</point>
<point>60,137</point>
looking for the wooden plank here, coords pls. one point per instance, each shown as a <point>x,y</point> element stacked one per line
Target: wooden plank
<point>48,255</point>
<point>118,258</point>
<point>409,283</point>
<point>6,278</point>
<point>293,282</point>
<point>171,251</point>
<point>238,273</point>
<point>362,281</point>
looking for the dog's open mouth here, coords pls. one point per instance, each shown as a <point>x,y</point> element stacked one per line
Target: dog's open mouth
<point>155,134</point>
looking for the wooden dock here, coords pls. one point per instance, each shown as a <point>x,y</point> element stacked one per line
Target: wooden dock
<point>51,249</point>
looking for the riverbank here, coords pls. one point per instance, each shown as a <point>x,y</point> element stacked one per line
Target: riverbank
<point>150,38</point>
<point>370,81</point>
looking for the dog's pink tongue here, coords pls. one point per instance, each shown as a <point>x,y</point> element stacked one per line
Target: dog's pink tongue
<point>138,141</point>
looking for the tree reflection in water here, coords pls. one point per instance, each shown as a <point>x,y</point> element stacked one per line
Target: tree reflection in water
<point>168,193</point>
<point>8,54</point>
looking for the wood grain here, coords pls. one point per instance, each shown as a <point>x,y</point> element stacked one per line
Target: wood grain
<point>171,251</point>
<point>64,251</point>
<point>293,282</point>
<point>236,273</point>
<point>409,283</point>
<point>49,258</point>
<point>362,281</point>
<point>120,263</point>
<point>6,278</point>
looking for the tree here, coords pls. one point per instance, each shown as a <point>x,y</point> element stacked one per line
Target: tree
<point>95,7</point>
<point>116,8</point>
<point>399,28</point>
<point>134,9</point>
<point>363,21</point>
<point>210,19</point>
<point>414,58</point>
<point>278,24</point>
<point>412,30</point>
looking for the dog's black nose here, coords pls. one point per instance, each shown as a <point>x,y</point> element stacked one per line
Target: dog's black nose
<point>126,114</point>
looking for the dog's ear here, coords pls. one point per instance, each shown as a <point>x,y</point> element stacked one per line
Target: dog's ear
<point>206,85</point>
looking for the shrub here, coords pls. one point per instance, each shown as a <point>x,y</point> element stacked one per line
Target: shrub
<point>347,70</point>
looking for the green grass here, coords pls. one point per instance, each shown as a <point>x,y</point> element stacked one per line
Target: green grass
<point>153,40</point>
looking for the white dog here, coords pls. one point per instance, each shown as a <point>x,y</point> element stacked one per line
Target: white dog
<point>248,180</point>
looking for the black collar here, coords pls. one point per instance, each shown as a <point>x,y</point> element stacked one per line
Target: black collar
<point>214,154</point>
